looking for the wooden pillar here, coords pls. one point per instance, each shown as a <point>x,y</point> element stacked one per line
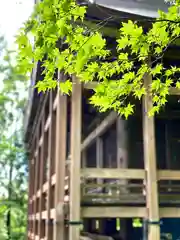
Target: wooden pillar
<point>122,144</point>
<point>84,165</point>
<point>60,157</point>
<point>41,229</point>
<point>167,144</point>
<point>99,164</point>
<point>29,226</point>
<point>150,164</point>
<point>122,162</point>
<point>49,224</point>
<point>76,121</point>
<point>32,194</point>
<point>36,158</point>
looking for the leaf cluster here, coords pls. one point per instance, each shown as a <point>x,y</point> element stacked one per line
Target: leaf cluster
<point>84,51</point>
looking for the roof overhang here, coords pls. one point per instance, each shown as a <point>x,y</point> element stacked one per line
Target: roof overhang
<point>146,8</point>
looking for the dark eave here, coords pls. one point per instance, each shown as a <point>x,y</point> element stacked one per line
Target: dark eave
<point>146,8</point>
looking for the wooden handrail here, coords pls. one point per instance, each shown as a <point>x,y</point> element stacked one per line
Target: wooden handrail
<point>113,173</point>
<point>168,175</point>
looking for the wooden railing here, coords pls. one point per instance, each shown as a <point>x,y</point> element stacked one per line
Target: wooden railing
<point>133,191</point>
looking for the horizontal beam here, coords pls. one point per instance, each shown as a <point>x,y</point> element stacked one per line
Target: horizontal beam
<point>92,85</point>
<point>174,91</point>
<point>169,212</point>
<point>119,173</point>
<point>168,175</point>
<point>112,173</point>
<point>126,212</point>
<point>113,212</point>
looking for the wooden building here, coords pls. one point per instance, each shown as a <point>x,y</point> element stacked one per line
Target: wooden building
<point>89,172</point>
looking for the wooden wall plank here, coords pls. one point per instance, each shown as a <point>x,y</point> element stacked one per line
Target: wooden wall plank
<point>76,121</point>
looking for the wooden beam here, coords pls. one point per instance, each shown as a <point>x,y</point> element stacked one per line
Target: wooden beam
<point>113,212</point>
<point>42,162</point>
<point>107,122</point>
<point>150,162</point>
<point>99,156</point>
<point>93,85</point>
<point>99,164</point>
<point>110,173</point>
<point>50,121</point>
<point>76,121</point>
<point>55,103</point>
<point>100,129</point>
<point>36,169</point>
<point>174,91</point>
<point>168,175</point>
<point>170,212</point>
<point>60,161</point>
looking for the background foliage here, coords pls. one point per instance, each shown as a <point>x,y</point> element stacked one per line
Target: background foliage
<point>13,161</point>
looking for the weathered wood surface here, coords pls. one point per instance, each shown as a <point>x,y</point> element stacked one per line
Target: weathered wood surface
<point>60,156</point>
<point>149,146</point>
<point>76,121</point>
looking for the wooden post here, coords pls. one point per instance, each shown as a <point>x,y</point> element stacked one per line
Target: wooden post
<point>50,154</point>
<point>29,225</point>
<point>36,158</point>
<point>150,164</point>
<point>84,165</point>
<point>76,102</point>
<point>99,164</point>
<point>42,162</point>
<point>61,135</point>
<point>122,148</point>
<point>122,162</point>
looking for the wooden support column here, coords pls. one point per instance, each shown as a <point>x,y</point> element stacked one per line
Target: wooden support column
<point>41,229</point>
<point>29,226</point>
<point>122,162</point>
<point>99,164</point>
<point>150,164</point>
<point>168,154</point>
<point>76,121</point>
<point>60,157</point>
<point>84,165</point>
<point>49,224</point>
<point>36,170</point>
<point>122,144</point>
<point>167,144</point>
